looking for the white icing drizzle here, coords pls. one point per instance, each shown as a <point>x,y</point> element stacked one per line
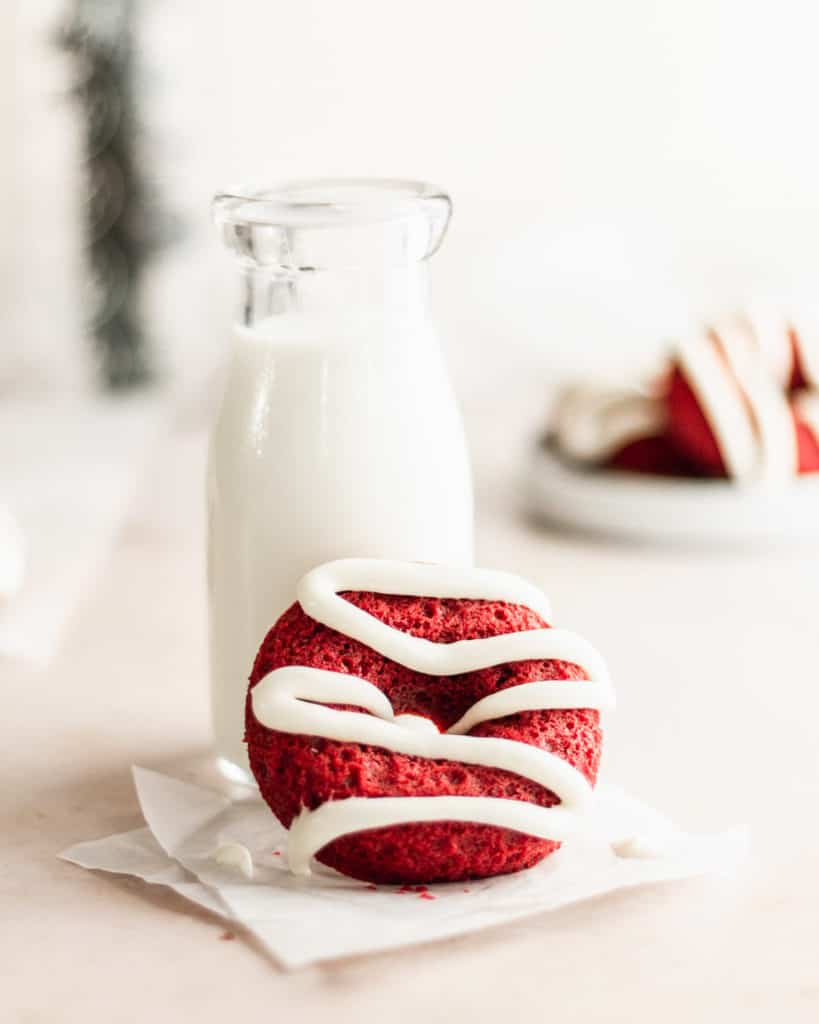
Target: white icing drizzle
<point>282,705</point>
<point>317,592</point>
<point>777,456</point>
<point>721,402</point>
<point>647,846</point>
<point>591,423</point>
<point>313,830</point>
<point>292,699</point>
<point>235,855</point>
<point>769,330</point>
<point>745,408</point>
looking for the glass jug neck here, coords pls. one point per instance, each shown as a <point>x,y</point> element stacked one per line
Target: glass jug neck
<point>341,247</point>
<point>390,292</point>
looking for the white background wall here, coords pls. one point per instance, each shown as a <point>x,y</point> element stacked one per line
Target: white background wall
<point>616,167</point>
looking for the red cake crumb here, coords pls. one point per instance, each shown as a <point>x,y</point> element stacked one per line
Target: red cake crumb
<point>296,771</point>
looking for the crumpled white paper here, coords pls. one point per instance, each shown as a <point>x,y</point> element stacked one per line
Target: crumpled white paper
<point>304,920</point>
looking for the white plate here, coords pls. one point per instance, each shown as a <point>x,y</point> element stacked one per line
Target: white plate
<point>654,508</point>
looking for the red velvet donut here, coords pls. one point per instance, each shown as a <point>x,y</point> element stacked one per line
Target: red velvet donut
<point>295,771</point>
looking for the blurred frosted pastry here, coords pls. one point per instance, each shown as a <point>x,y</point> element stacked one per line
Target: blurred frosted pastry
<point>737,400</point>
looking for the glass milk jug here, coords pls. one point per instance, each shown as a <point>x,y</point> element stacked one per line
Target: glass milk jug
<point>338,435</point>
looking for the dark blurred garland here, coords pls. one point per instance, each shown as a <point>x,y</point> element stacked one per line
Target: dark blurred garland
<point>124,223</point>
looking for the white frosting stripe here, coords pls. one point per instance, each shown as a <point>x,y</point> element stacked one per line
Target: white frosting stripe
<point>545,695</point>
<point>768,407</point>
<point>318,590</point>
<point>311,831</point>
<point>318,596</point>
<point>292,699</point>
<point>770,330</point>
<point>280,701</point>
<point>721,402</point>
<point>743,403</point>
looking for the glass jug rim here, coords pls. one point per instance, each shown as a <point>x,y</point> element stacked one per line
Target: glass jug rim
<point>327,202</point>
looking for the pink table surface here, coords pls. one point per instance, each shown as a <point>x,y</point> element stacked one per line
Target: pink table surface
<point>715,657</point>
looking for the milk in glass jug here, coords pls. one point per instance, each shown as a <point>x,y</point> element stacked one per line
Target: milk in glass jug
<point>338,434</point>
